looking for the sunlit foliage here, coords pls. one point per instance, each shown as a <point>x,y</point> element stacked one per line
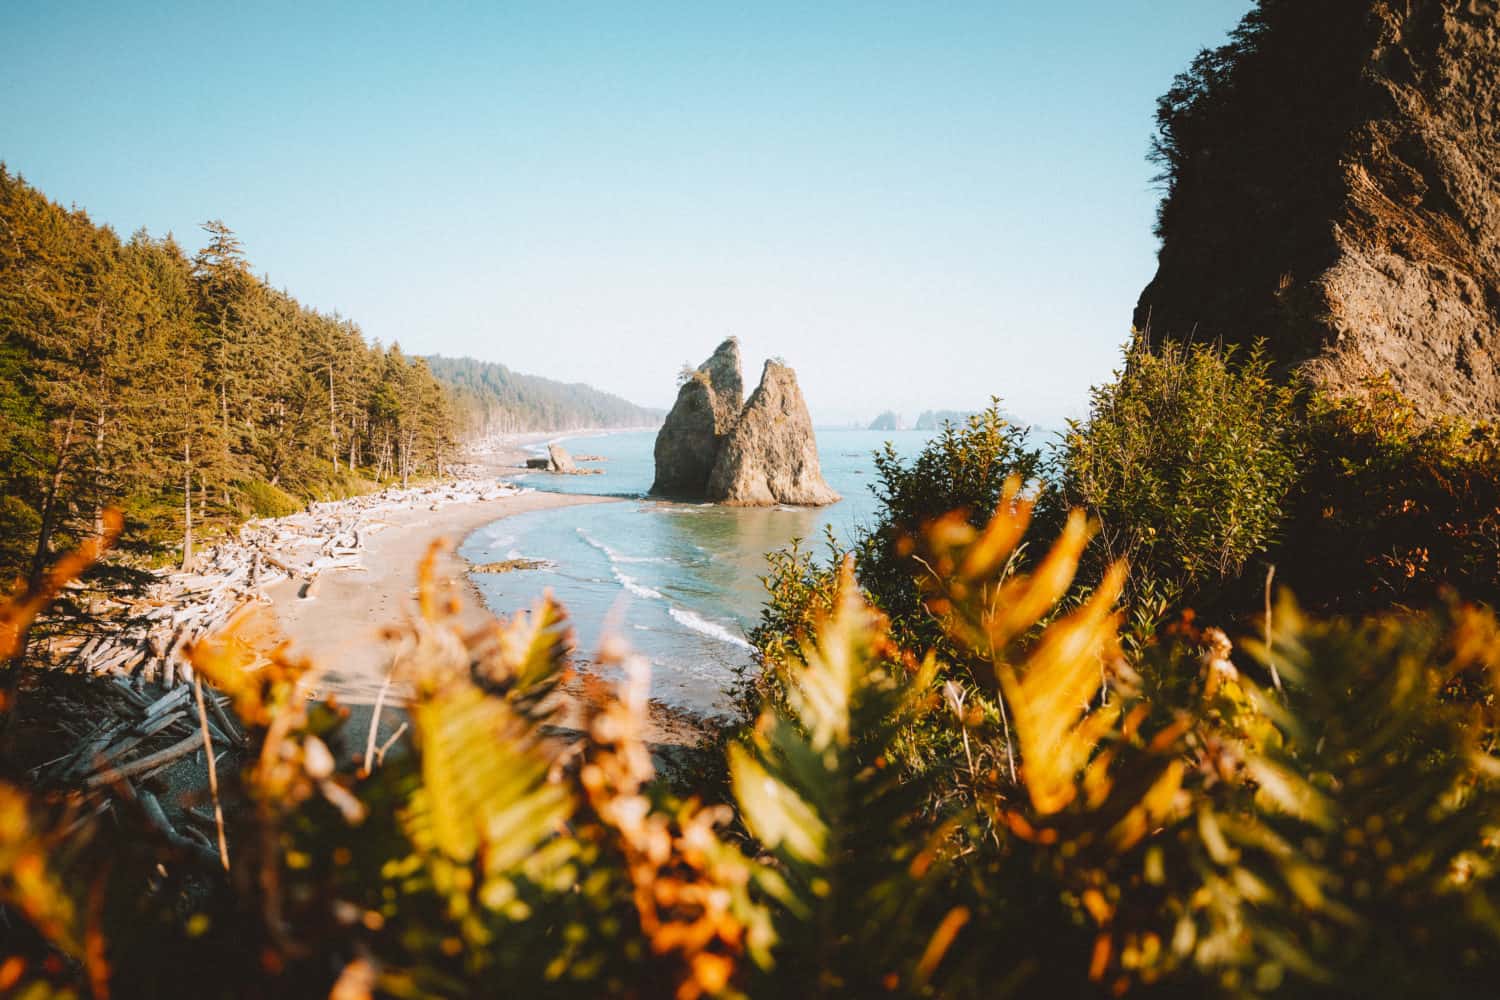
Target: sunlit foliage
<point>1317,818</point>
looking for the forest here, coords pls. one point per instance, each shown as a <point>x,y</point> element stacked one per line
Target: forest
<point>194,394</point>
<point>489,398</point>
<point>184,389</point>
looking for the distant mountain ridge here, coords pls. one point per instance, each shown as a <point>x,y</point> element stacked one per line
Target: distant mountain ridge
<point>489,398</point>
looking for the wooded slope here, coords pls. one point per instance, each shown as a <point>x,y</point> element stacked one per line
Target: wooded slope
<point>489,398</point>
<point>179,387</point>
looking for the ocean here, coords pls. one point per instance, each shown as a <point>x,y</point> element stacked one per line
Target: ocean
<point>681,582</point>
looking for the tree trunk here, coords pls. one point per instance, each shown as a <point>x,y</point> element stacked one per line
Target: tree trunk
<point>333,427</point>
<point>99,470</point>
<point>187,501</point>
<point>49,507</point>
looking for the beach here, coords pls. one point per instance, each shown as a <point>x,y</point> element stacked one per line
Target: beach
<point>339,626</point>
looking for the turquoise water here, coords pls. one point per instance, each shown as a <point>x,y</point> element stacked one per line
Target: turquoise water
<point>680,581</point>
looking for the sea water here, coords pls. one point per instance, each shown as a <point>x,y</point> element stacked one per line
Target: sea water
<point>680,582</point>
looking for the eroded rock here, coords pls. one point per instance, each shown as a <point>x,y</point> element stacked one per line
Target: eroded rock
<point>708,404</point>
<point>558,459</point>
<point>772,456</point>
<point>763,454</point>
<point>1337,192</point>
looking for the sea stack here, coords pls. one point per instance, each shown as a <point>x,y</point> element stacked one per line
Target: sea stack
<point>764,454</point>
<point>708,404</point>
<point>558,459</point>
<point>772,456</point>
<point>1334,192</point>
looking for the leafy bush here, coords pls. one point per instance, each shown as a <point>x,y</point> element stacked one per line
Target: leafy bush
<point>1185,460</point>
<point>265,500</point>
<point>963,468</point>
<point>1393,506</point>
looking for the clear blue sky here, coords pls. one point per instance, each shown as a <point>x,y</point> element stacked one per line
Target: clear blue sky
<point>917,205</point>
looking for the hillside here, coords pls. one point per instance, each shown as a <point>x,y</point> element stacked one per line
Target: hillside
<point>489,398</point>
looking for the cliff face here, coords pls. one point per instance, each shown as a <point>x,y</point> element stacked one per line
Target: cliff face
<point>772,456</point>
<point>1334,187</point>
<point>709,448</point>
<point>708,404</point>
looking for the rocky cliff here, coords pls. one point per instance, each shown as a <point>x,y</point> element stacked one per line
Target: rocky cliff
<point>708,404</point>
<point>1333,186</point>
<point>772,456</point>
<point>766,453</point>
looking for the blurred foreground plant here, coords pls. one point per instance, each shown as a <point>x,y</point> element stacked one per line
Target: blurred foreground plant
<point>1191,837</point>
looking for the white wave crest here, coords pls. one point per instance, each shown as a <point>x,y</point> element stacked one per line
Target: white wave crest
<point>638,589</point>
<point>711,629</point>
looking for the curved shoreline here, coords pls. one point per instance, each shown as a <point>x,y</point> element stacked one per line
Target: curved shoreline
<point>340,626</point>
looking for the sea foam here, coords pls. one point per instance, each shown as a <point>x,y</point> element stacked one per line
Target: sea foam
<point>711,629</point>
<point>630,583</point>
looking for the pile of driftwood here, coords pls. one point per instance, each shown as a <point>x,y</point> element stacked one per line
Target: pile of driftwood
<point>146,637</point>
<point>123,738</point>
<point>131,735</point>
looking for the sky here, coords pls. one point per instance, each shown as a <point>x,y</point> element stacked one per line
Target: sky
<point>917,205</point>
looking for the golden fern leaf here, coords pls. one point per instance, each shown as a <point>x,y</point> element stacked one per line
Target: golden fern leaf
<point>484,780</point>
<point>836,664</point>
<point>26,882</point>
<point>967,587</point>
<point>533,648</point>
<point>1050,692</point>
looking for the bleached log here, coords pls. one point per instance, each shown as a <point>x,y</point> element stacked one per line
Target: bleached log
<point>141,765</point>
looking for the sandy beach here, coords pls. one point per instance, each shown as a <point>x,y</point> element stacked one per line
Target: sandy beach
<point>339,625</point>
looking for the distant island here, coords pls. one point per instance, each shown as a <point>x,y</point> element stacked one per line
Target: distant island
<point>931,420</point>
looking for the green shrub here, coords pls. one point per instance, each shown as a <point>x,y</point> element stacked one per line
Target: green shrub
<point>1185,461</point>
<point>963,468</point>
<point>1392,506</point>
<point>265,500</point>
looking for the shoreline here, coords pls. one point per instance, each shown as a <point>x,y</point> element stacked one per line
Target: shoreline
<point>339,626</point>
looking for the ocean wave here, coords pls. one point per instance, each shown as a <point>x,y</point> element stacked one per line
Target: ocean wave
<point>630,583</point>
<point>636,588</point>
<point>711,629</point>
<point>613,555</point>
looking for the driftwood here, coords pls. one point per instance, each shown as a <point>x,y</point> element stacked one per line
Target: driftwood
<point>146,638</point>
<point>157,817</point>
<point>144,715</point>
<point>146,765</point>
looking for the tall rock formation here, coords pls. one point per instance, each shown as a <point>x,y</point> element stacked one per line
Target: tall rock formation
<point>708,404</point>
<point>772,456</point>
<point>1333,186</point>
<point>709,448</point>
